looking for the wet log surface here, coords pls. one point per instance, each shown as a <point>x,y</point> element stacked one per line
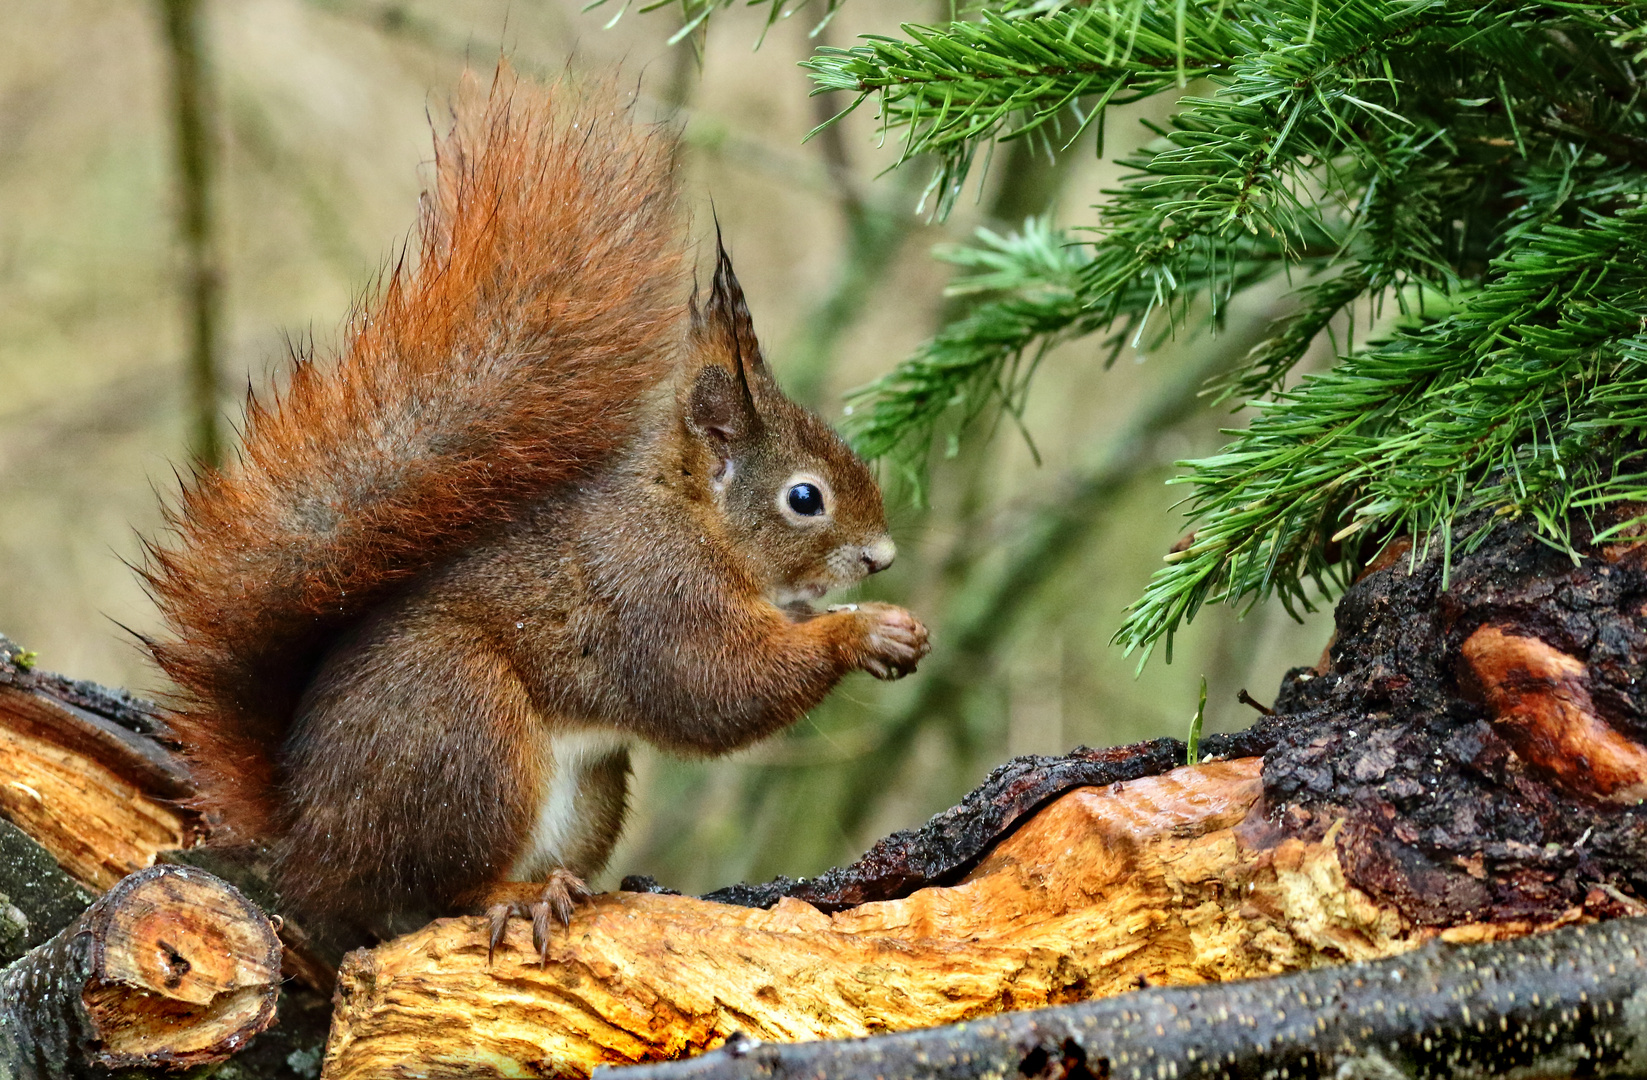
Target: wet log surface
<point>1483,745</point>
<point>170,968</point>
<point>1568,1003</point>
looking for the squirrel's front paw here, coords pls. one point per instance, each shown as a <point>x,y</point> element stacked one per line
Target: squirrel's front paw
<point>893,641</point>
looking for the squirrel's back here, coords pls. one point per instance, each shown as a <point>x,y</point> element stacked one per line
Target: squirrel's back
<point>514,355</point>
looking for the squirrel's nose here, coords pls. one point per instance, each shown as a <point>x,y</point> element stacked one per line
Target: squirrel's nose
<point>879,555</point>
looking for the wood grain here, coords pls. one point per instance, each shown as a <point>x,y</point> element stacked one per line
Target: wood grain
<point>1567,1003</point>
<point>102,811</point>
<point>171,967</point>
<point>1167,880</point>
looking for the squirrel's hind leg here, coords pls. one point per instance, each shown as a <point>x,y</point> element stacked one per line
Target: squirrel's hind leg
<point>411,773</point>
<point>581,806</point>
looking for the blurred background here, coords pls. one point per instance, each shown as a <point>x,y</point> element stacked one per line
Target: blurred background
<point>311,153</point>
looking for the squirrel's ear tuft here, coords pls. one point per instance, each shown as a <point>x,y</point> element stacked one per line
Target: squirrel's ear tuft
<point>723,324</point>
<point>722,406</point>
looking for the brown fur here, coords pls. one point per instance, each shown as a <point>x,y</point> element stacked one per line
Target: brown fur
<point>544,303</point>
<point>541,499</point>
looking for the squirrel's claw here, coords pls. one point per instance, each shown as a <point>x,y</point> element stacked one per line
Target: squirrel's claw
<point>545,903</point>
<point>561,894</point>
<point>564,891</point>
<point>498,914</point>
<point>540,931</point>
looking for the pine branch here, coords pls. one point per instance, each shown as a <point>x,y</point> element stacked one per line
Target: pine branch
<point>955,87</point>
<point>977,359</point>
<point>1477,165</point>
<point>1515,403</point>
<point>985,360</point>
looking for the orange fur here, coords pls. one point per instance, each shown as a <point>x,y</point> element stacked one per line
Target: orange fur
<point>511,358</point>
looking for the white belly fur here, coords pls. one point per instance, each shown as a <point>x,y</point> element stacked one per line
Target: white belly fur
<point>572,754</point>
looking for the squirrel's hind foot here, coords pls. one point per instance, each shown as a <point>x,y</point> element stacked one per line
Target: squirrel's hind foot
<point>554,898</point>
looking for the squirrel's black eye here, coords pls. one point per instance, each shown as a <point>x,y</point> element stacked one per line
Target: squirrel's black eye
<point>806,500</point>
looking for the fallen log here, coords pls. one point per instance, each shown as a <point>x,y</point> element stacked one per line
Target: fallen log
<point>1161,880</point>
<point>169,968</point>
<point>1572,1002</point>
<point>1465,764</point>
<point>89,782</point>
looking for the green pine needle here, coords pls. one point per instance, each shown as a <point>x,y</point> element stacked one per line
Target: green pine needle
<point>1479,166</point>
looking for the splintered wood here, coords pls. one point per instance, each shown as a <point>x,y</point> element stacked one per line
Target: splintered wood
<point>84,790</point>
<point>1167,880</point>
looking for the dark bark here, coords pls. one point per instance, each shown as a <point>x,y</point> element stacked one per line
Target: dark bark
<point>37,899</point>
<point>1422,734</point>
<point>1568,1003</point>
<point>170,968</point>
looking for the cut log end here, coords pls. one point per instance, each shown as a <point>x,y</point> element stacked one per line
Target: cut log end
<point>186,970</point>
<point>171,968</point>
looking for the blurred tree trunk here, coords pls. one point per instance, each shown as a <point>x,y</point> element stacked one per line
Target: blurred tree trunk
<point>194,130</point>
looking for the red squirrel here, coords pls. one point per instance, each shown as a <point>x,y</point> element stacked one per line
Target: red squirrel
<point>546,503</point>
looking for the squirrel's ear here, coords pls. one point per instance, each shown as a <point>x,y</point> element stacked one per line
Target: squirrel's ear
<point>719,408</point>
<point>722,408</point>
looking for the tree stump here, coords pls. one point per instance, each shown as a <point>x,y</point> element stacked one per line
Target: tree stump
<point>170,968</point>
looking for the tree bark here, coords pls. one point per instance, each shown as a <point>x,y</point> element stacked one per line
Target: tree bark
<point>170,968</point>
<point>1569,1003</point>
<point>37,899</point>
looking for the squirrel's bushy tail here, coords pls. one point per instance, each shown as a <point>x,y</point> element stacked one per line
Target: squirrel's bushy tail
<point>546,299</point>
